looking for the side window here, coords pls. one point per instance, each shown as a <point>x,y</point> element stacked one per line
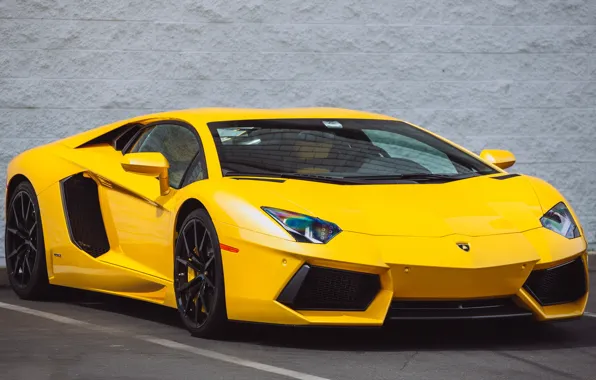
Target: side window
<point>399,146</point>
<point>177,143</point>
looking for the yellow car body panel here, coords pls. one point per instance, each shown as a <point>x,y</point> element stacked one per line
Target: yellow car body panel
<point>411,245</point>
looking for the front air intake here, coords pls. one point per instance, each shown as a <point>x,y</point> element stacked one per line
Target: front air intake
<point>558,285</point>
<point>319,288</point>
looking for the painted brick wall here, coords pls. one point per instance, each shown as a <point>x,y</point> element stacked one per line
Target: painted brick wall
<point>512,74</point>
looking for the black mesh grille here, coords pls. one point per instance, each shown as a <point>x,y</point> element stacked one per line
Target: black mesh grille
<point>461,309</point>
<point>83,215</point>
<point>562,284</point>
<point>318,288</point>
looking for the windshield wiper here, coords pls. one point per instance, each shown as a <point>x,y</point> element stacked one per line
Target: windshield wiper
<point>312,177</point>
<point>416,177</point>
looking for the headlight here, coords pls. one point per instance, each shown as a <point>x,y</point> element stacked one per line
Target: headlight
<point>559,220</point>
<point>304,228</point>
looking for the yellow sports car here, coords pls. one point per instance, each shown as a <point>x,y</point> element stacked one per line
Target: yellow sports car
<point>298,216</point>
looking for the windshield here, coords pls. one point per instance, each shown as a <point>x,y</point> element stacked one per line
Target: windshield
<point>338,148</point>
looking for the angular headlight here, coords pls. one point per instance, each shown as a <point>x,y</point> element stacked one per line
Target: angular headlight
<point>304,228</point>
<point>559,220</point>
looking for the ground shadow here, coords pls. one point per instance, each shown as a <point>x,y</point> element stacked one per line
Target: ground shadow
<point>513,334</point>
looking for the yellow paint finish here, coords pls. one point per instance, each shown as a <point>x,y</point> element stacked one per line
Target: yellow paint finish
<point>501,158</point>
<point>152,164</point>
<point>407,234</point>
<point>477,206</point>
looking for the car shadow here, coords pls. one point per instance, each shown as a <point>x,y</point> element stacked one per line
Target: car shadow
<point>486,334</point>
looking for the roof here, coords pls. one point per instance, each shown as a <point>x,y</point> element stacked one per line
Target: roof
<point>222,114</point>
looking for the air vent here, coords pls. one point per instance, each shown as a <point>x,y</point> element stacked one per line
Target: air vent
<point>319,288</point>
<point>83,215</point>
<point>558,285</point>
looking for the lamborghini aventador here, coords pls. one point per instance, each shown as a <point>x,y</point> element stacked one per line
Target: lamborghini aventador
<point>296,216</point>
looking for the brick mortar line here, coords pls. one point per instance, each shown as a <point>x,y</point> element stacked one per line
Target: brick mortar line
<point>437,24</point>
<point>357,81</point>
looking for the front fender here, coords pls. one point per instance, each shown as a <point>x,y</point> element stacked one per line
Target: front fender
<point>548,196</point>
<point>42,166</point>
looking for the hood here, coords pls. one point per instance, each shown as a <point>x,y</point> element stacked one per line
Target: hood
<point>476,206</point>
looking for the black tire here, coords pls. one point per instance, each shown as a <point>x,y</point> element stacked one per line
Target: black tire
<point>198,277</point>
<point>24,245</point>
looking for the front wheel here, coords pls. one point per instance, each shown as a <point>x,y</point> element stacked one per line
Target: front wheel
<point>198,277</point>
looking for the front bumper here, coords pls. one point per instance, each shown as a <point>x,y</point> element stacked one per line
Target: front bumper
<point>359,279</point>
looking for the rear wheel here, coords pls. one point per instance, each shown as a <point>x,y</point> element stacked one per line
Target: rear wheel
<point>198,277</point>
<point>24,244</point>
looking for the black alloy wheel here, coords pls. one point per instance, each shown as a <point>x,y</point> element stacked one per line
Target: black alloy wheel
<point>198,276</point>
<point>24,244</point>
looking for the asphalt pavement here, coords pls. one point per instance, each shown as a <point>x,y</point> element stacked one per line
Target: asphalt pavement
<point>82,335</point>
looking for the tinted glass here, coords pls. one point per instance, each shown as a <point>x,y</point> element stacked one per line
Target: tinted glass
<point>177,143</point>
<point>337,148</point>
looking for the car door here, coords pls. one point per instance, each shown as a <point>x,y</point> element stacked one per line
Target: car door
<point>143,226</point>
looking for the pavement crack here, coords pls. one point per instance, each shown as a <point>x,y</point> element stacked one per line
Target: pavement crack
<point>408,360</point>
<point>543,367</point>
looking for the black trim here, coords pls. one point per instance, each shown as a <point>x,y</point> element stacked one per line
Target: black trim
<point>82,212</point>
<point>455,309</point>
<point>506,176</point>
<point>113,137</point>
<point>321,288</point>
<point>134,138</point>
<point>564,283</point>
<point>289,293</point>
<point>111,185</point>
<point>259,179</point>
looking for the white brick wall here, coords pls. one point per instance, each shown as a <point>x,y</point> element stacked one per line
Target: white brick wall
<point>512,74</point>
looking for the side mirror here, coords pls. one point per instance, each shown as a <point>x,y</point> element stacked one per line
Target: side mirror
<point>149,163</point>
<point>501,158</point>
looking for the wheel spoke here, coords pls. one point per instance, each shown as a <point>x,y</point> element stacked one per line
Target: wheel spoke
<point>28,209</point>
<point>194,230</point>
<point>187,306</point>
<point>24,216</point>
<point>12,231</point>
<point>182,261</point>
<point>32,246</point>
<point>188,251</point>
<point>16,217</point>
<point>15,251</point>
<point>209,283</point>
<point>203,240</point>
<point>32,228</point>
<point>193,291</point>
<point>189,284</point>
<point>17,263</point>
<point>189,264</point>
<point>202,297</point>
<point>208,263</point>
<point>26,261</point>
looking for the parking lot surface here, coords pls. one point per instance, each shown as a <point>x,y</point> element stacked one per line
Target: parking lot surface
<point>82,335</point>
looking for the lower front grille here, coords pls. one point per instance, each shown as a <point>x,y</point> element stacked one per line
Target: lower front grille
<point>462,309</point>
<point>558,285</point>
<point>319,288</point>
